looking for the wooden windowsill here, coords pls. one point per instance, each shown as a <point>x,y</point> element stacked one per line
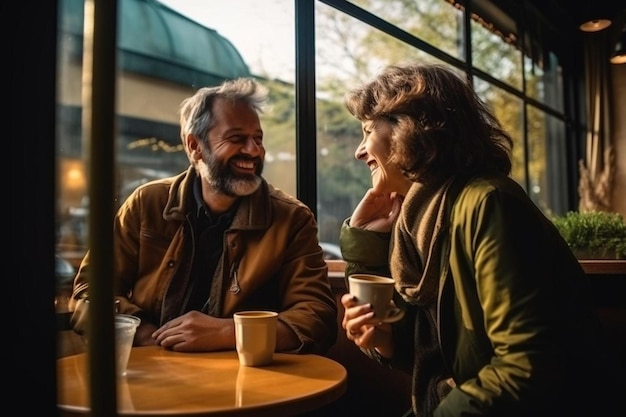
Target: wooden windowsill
<point>336,275</point>
<point>336,267</point>
<point>590,266</point>
<point>604,266</point>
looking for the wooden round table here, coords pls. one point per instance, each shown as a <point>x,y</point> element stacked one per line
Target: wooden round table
<point>162,383</point>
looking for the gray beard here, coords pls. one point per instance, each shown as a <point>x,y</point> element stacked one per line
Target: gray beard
<point>224,181</point>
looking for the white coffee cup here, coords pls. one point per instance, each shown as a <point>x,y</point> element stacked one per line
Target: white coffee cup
<point>377,291</point>
<point>255,336</point>
<point>125,329</point>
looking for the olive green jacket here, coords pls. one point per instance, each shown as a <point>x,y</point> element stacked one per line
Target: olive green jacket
<point>271,260</point>
<point>516,321</point>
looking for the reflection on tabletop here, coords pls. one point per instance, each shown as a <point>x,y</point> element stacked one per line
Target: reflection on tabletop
<point>160,381</point>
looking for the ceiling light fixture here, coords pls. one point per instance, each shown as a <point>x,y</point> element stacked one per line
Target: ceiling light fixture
<point>619,54</point>
<point>595,25</point>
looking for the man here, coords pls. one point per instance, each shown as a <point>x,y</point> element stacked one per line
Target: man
<point>193,249</point>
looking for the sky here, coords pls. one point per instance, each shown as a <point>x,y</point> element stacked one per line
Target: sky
<point>261,30</point>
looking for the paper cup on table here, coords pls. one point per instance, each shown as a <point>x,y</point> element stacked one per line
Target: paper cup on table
<point>377,291</point>
<point>125,329</point>
<point>255,336</point>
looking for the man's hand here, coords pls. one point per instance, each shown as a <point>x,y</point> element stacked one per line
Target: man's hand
<point>196,332</point>
<point>143,335</point>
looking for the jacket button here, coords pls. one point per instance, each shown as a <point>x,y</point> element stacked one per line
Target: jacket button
<point>170,263</point>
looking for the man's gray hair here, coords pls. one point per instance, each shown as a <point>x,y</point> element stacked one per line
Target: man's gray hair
<point>196,112</point>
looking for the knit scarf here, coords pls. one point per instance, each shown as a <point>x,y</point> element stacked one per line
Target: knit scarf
<point>415,266</point>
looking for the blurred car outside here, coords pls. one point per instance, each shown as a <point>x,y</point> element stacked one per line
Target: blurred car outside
<point>332,252</point>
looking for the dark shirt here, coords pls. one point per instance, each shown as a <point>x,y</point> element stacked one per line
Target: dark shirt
<point>208,248</point>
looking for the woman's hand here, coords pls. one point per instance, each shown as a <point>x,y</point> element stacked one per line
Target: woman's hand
<point>377,211</point>
<point>357,322</point>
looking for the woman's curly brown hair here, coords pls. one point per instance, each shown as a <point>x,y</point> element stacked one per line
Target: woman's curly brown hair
<point>440,126</point>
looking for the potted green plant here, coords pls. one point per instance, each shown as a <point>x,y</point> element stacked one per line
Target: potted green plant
<point>593,234</point>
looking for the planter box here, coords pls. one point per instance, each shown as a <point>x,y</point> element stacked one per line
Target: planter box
<point>589,254</point>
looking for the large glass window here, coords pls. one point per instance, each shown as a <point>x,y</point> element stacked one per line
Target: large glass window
<point>547,166</point>
<point>352,43</point>
<point>167,49</point>
<point>433,21</point>
<point>348,52</point>
<point>509,111</point>
<point>493,53</point>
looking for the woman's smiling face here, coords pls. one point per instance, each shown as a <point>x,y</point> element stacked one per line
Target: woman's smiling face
<point>374,150</point>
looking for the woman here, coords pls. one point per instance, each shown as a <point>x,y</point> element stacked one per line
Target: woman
<point>497,319</point>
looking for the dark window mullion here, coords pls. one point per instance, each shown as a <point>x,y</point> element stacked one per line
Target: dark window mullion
<point>306,126</point>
